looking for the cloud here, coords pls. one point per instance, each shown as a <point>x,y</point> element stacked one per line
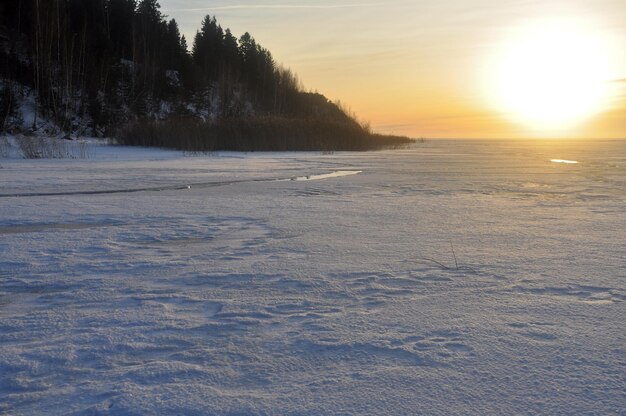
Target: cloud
<point>275,6</point>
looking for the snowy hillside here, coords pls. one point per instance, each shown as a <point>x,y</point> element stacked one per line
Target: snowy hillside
<point>448,278</point>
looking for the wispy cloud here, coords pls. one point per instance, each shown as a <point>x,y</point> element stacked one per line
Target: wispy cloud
<point>276,7</point>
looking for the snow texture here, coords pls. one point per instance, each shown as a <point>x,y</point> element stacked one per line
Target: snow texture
<point>453,277</point>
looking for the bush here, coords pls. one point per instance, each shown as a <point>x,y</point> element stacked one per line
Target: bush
<point>42,148</point>
<point>247,134</point>
<point>5,147</point>
<point>7,106</point>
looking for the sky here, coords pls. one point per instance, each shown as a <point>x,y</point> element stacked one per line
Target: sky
<point>425,68</point>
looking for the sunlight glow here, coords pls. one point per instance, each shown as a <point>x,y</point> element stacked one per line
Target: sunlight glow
<point>551,75</point>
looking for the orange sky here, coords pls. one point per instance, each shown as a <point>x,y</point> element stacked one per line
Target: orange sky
<point>418,67</point>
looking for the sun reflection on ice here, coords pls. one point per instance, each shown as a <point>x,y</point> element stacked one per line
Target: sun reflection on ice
<point>568,162</point>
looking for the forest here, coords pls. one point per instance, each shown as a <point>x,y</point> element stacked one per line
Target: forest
<point>121,68</point>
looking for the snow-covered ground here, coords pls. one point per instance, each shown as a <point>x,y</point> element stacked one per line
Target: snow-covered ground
<point>461,277</point>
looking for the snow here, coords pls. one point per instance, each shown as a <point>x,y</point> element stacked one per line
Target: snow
<point>453,277</point>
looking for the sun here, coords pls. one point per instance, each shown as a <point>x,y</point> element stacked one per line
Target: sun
<point>550,75</point>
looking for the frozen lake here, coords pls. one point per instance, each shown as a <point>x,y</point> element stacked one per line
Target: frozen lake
<point>453,277</point>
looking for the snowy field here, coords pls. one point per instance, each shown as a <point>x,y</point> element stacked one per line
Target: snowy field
<point>461,277</point>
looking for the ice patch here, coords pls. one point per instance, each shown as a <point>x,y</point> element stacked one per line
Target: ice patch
<point>336,174</point>
<point>196,185</point>
<point>565,161</point>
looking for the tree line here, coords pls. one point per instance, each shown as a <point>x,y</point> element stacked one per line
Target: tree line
<point>95,65</point>
<point>115,60</point>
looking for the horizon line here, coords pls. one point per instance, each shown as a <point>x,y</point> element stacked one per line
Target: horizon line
<point>275,6</point>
